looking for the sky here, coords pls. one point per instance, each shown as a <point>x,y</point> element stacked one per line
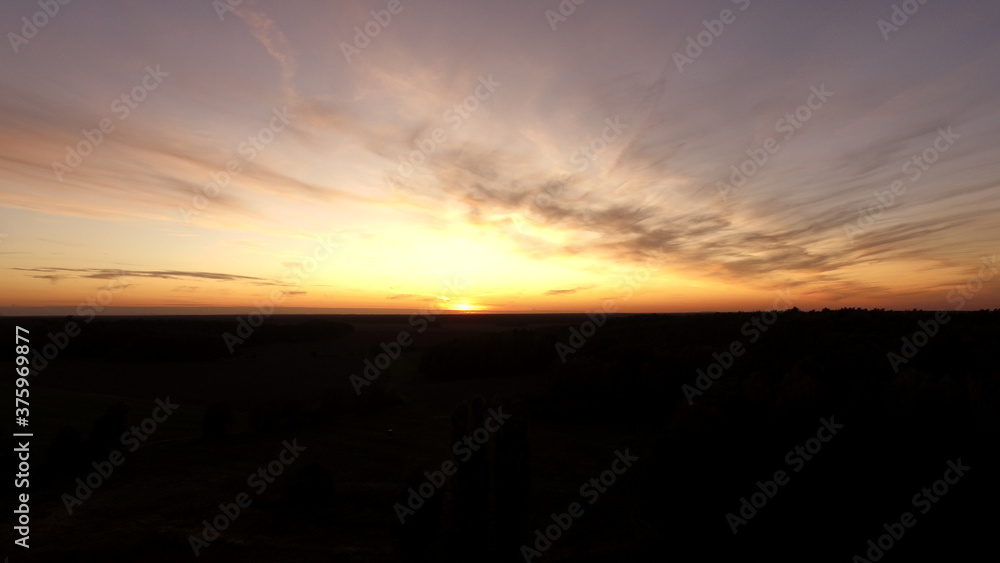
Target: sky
<point>525,155</point>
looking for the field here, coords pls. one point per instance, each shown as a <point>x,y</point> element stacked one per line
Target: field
<point>364,442</point>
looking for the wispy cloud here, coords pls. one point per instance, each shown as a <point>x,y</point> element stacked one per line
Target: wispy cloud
<point>500,173</point>
<point>567,291</point>
<point>266,31</point>
<point>106,274</point>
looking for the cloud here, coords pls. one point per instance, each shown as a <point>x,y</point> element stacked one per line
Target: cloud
<point>105,274</point>
<point>266,31</point>
<point>567,291</point>
<point>507,168</point>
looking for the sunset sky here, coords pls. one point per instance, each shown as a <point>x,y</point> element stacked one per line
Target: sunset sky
<point>493,156</point>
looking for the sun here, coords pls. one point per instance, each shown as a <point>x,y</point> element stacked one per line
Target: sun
<point>464,307</point>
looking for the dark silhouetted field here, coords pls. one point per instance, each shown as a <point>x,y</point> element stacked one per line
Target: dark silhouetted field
<point>620,388</point>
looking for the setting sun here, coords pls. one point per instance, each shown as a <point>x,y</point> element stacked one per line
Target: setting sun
<point>299,170</point>
<point>469,256</point>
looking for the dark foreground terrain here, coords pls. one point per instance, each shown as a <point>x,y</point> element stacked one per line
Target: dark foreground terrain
<point>845,435</point>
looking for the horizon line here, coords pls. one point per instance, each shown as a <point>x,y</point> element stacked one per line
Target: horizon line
<point>183,311</point>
